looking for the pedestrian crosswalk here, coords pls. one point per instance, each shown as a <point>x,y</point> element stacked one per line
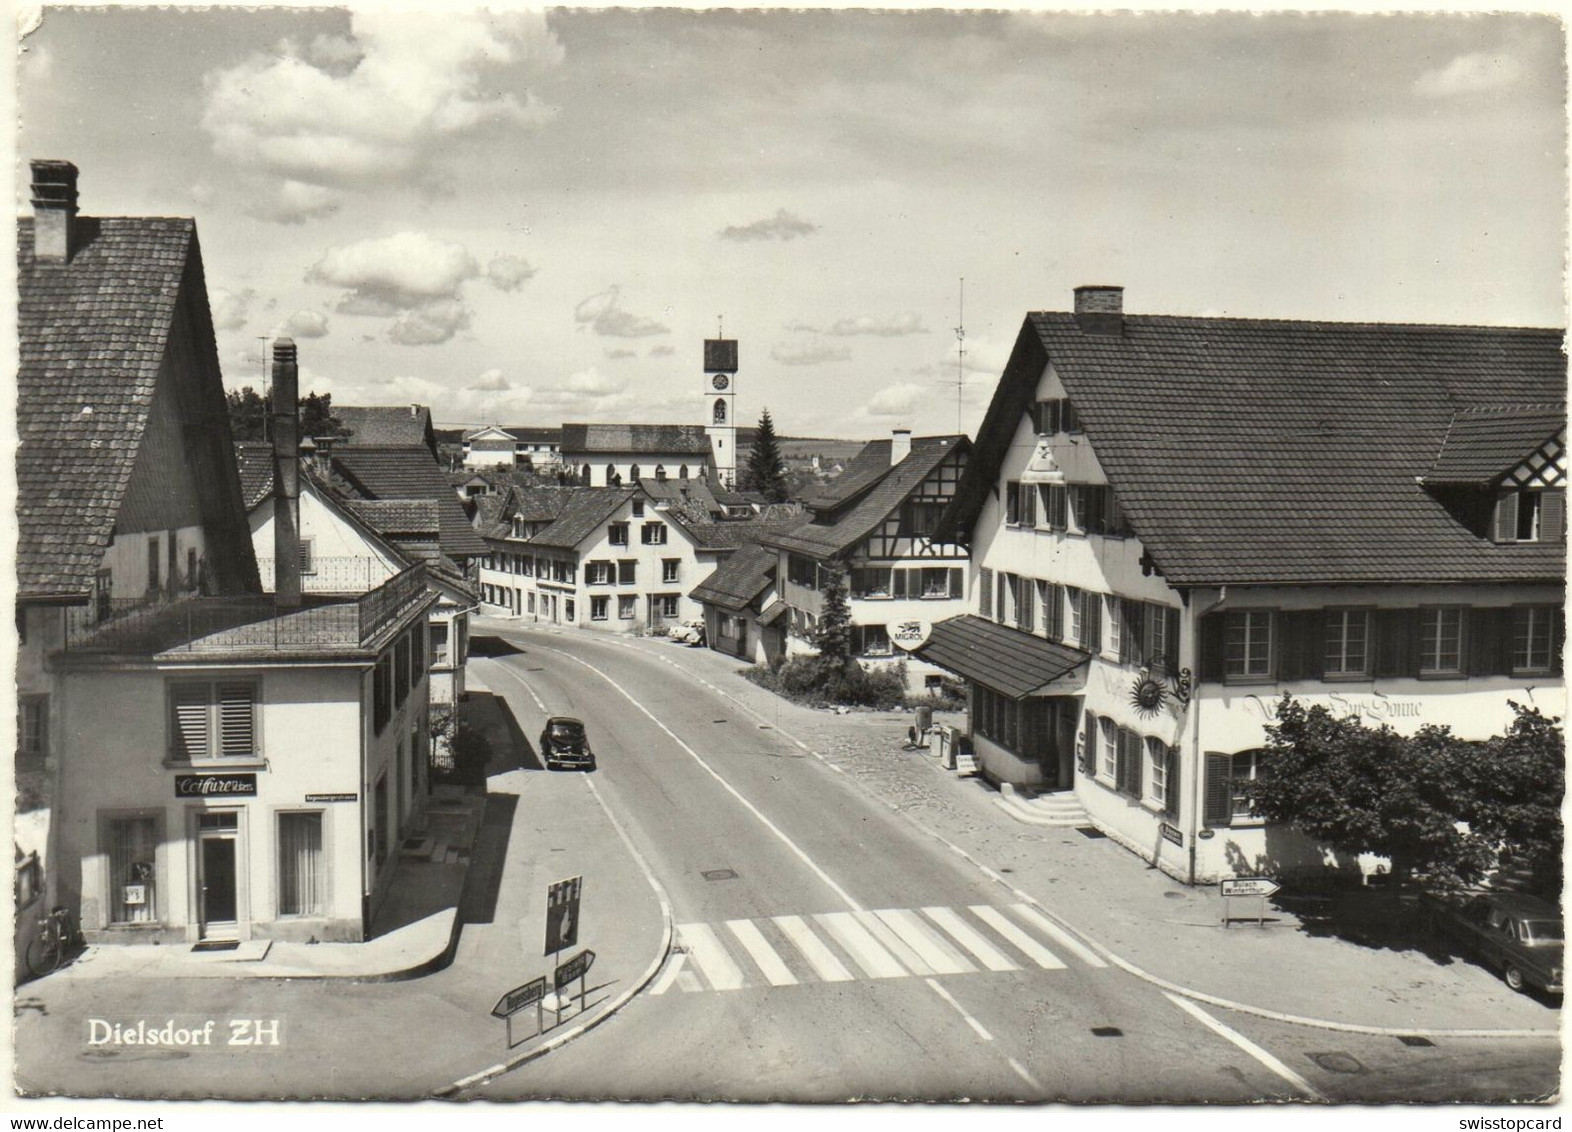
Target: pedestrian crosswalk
<point>890,943</point>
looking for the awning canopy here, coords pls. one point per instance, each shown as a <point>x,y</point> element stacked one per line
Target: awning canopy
<point>772,613</point>
<point>1007,660</point>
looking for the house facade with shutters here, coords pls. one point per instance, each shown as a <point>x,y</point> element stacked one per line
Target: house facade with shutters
<point>1175,521</point>
<point>877,522</point>
<point>598,558</point>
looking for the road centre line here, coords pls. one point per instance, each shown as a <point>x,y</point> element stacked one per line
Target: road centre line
<point>1245,1044</point>
<point>1119,961</point>
<point>728,787</point>
<point>959,1009</point>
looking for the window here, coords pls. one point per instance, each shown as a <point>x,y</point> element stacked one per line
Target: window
<point>666,604</point>
<point>802,571</point>
<point>133,870</point>
<point>530,600</point>
<point>401,671</point>
<point>1226,798</point>
<point>653,534</point>
<point>1157,756</point>
<point>1051,596</point>
<point>302,880</point>
<point>598,573</point>
<point>633,473</point>
<point>598,607</point>
<point>1073,601</point>
<point>212,719</point>
<point>439,643</point>
<point>627,572</point>
<point>682,472</point>
<point>1347,642</point>
<point>1020,504</point>
<point>103,594</point>
<point>567,609</point>
<point>870,640</point>
<point>1055,415</point>
<point>660,471</point>
<point>1440,641</point>
<point>627,607</point>
<point>1090,635</point>
<point>669,569</point>
<point>1114,609</point>
<point>1110,749</point>
<point>1129,781</point>
<point>1242,770</point>
<point>32,725</point>
<point>943,582</point>
<point>617,534</point>
<point>1533,638</point>
<point>154,557</point>
<point>1247,643</point>
<point>1025,614</point>
<point>638,508</point>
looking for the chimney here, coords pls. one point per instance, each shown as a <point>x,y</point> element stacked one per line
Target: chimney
<point>900,445</point>
<point>54,211</point>
<point>1100,309</point>
<point>414,412</point>
<point>286,475</point>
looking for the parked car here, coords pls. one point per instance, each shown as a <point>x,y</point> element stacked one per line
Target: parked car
<point>1518,935</point>
<point>563,743</point>
<point>688,632</point>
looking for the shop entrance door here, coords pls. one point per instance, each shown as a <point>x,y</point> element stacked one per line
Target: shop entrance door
<point>218,878</point>
<point>1066,745</point>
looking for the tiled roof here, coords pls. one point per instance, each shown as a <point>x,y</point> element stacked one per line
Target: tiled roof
<point>92,336</point>
<point>862,471</point>
<point>874,501</point>
<point>488,521</point>
<point>540,504</point>
<point>1484,444</point>
<point>672,489</point>
<point>383,426</point>
<point>733,534</point>
<point>643,439</point>
<point>586,508</point>
<point>411,473</point>
<point>254,458</point>
<point>1255,451</point>
<point>1007,660</point>
<point>489,432</point>
<point>396,517</point>
<point>739,580</point>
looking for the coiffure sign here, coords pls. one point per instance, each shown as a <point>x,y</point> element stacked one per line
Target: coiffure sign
<point>215,785</point>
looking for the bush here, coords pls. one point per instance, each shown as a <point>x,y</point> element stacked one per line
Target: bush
<point>818,681</point>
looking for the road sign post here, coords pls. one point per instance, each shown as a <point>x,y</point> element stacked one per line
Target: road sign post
<point>575,968</point>
<point>562,922</point>
<point>1258,887</point>
<point>530,994</point>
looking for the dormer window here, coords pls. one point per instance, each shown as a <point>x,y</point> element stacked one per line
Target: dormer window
<point>1530,515</point>
<point>1053,416</point>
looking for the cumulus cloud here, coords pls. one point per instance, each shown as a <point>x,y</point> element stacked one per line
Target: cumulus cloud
<point>491,381</point>
<point>664,350</point>
<point>620,353</point>
<point>304,324</point>
<point>585,391</point>
<point>808,353</point>
<point>231,309</point>
<point>293,202</point>
<point>384,103</point>
<point>410,277</point>
<point>898,400</point>
<point>508,272</point>
<point>782,226</point>
<point>1469,74</point>
<point>603,313</point>
<point>890,326</point>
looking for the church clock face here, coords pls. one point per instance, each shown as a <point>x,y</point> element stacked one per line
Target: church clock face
<point>719,382</point>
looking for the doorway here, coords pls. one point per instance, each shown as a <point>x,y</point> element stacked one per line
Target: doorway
<point>218,875</point>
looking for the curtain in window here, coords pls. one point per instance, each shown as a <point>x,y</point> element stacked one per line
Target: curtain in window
<point>133,842</point>
<point>300,876</point>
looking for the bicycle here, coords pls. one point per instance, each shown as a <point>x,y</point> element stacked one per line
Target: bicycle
<point>57,934</point>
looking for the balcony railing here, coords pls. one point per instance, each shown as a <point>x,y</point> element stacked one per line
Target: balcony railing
<point>242,622</point>
<point>333,575</point>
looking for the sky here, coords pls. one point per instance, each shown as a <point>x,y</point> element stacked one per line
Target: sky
<point>527,217</point>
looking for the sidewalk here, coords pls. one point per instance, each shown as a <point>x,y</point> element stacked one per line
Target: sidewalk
<point>1168,930</point>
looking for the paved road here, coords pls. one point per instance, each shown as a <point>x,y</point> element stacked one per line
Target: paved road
<point>828,950</point>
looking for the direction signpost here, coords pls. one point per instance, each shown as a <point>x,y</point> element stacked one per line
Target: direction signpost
<point>530,994</point>
<point>1258,887</point>
<point>575,968</point>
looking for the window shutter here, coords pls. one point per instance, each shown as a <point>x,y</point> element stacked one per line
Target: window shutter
<point>1012,503</point>
<point>1171,639</point>
<point>1301,643</point>
<point>1212,633</point>
<point>957,582</point>
<point>985,592</point>
<point>1506,517</point>
<point>1132,633</point>
<point>1029,505</point>
<point>188,708</point>
<point>1219,792</point>
<point>1171,782</point>
<point>1396,644</point>
<point>1089,745</point>
<point>1558,641</point>
<point>1129,762</point>
<point>1091,620</point>
<point>1489,642</point>
<point>1553,516</point>
<point>237,719</point>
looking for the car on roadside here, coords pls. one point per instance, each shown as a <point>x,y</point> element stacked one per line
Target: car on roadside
<point>1519,935</point>
<point>563,743</point>
<point>689,632</point>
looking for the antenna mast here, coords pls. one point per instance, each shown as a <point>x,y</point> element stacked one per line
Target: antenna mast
<point>266,413</point>
<point>960,358</point>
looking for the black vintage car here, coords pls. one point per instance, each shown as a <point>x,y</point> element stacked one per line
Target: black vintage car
<point>1520,936</point>
<point>564,744</point>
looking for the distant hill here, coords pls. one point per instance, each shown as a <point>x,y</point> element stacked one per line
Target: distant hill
<point>792,447</point>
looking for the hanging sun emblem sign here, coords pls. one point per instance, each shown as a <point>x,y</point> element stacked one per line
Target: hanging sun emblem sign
<point>1149,693</point>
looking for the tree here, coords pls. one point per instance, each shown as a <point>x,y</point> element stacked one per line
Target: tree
<point>1372,790</point>
<point>247,414</point>
<point>765,472</point>
<point>1515,797</point>
<point>316,416</point>
<point>832,635</point>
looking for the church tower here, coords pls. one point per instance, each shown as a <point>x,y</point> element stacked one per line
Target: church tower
<point>720,397</point>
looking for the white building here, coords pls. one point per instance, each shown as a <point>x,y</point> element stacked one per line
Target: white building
<point>1174,521</point>
<point>613,455</point>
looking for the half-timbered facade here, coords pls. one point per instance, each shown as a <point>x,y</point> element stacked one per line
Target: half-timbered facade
<point>877,521</point>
